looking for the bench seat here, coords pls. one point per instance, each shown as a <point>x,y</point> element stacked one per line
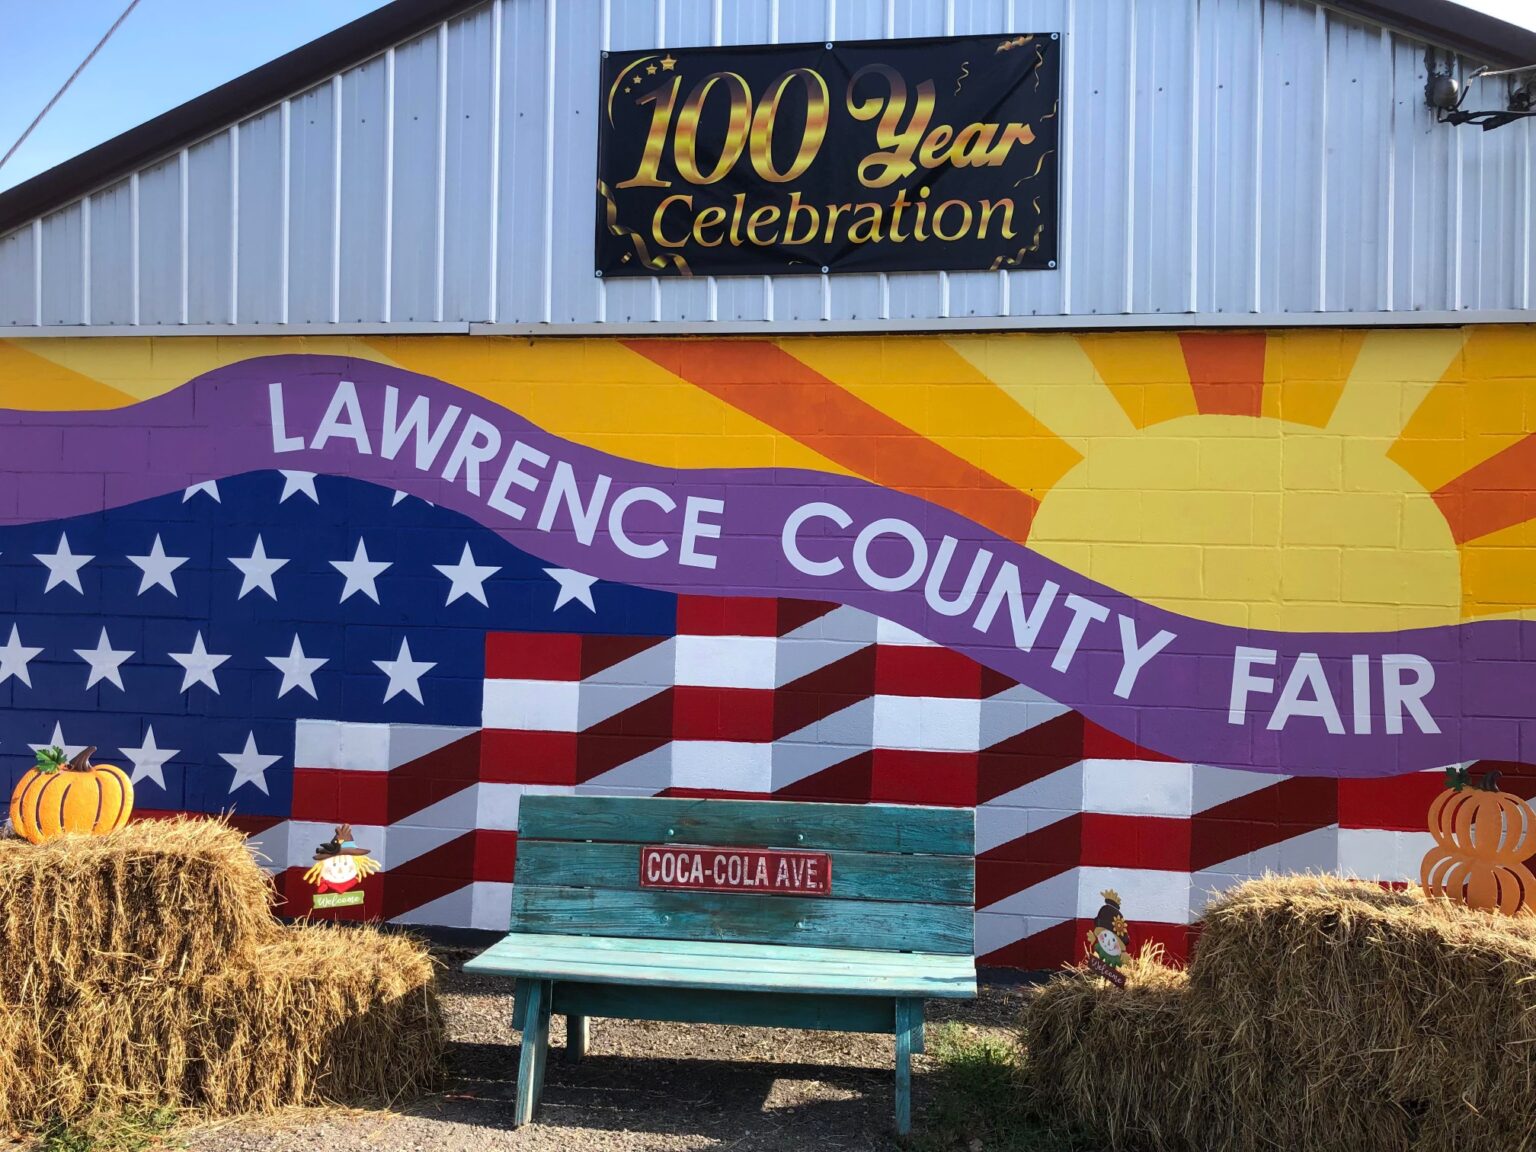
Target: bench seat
<point>725,966</point>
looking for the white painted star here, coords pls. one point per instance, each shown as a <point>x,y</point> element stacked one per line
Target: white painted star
<point>14,657</point>
<point>468,577</point>
<point>148,760</point>
<point>360,572</point>
<point>404,673</point>
<point>207,488</point>
<point>58,741</point>
<point>105,661</point>
<point>256,570</point>
<point>63,566</point>
<point>399,496</point>
<point>298,669</point>
<point>158,568</point>
<point>200,665</point>
<point>573,586</point>
<point>250,765</point>
<point>295,482</point>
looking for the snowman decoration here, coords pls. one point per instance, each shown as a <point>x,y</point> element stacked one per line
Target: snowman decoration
<point>339,869</point>
<point>1108,940</point>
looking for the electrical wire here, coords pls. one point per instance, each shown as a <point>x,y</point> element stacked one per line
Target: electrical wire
<point>73,76</point>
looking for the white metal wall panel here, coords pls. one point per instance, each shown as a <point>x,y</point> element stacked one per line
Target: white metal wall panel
<point>110,255</point>
<point>211,234</point>
<point>63,279</point>
<point>262,188</point>
<point>364,192</point>
<point>467,174</point>
<point>160,243</point>
<point>414,229</point>
<point>18,291</point>
<point>311,204</point>
<point>1220,158</point>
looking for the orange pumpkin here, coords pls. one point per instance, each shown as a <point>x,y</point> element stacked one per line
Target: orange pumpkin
<point>1482,838</point>
<point>59,796</point>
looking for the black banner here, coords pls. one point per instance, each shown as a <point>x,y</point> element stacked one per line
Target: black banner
<point>874,156</point>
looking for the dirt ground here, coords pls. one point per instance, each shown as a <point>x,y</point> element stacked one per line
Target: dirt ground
<point>643,1086</point>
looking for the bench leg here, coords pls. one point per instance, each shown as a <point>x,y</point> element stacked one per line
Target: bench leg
<point>908,1017</point>
<point>578,1036</point>
<point>920,1032</point>
<point>533,999</point>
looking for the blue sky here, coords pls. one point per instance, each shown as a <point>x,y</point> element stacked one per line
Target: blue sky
<point>169,51</point>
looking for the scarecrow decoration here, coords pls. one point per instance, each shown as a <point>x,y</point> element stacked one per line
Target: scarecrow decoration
<point>1108,940</point>
<point>338,872</point>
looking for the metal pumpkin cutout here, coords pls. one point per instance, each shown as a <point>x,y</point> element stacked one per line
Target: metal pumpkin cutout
<point>1482,838</point>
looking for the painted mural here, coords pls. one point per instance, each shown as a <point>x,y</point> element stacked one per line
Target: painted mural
<point>1167,609</point>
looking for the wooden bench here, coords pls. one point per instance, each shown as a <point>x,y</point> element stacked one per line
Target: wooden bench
<point>602,927</point>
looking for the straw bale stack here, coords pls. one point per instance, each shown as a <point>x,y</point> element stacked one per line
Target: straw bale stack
<point>144,968</point>
<point>1318,1013</point>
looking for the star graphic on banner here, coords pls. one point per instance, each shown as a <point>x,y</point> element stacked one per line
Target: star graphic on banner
<point>650,69</point>
<point>298,669</point>
<point>360,572</point>
<point>404,673</point>
<point>14,657</point>
<point>148,760</point>
<point>573,586</point>
<point>200,665</point>
<point>58,741</point>
<point>63,566</point>
<point>207,488</point>
<point>468,578</point>
<point>295,482</point>
<point>158,568</point>
<point>105,661</point>
<point>250,765</point>
<point>667,63</point>
<point>256,570</point>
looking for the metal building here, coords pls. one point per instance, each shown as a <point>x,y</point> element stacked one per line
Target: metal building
<point>356,469</point>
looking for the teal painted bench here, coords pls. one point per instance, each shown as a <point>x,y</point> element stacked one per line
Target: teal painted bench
<point>592,936</point>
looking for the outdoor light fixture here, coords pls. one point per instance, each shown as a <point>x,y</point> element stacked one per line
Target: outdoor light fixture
<point>1445,94</point>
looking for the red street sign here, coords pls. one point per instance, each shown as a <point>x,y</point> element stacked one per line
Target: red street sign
<point>735,869</point>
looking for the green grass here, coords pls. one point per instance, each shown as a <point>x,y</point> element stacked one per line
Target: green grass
<point>133,1132</point>
<point>978,1102</point>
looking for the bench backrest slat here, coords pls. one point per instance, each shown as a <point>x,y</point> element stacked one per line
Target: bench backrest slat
<point>903,877</point>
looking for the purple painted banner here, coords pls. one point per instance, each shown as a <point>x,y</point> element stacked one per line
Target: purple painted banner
<point>1334,704</point>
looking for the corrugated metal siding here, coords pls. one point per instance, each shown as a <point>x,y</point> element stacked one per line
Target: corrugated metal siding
<point>1221,157</point>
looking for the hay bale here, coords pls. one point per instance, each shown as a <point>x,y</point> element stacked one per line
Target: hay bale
<point>161,900</point>
<point>1389,1013</point>
<point>317,1014</point>
<point>1318,1013</point>
<point>1115,1061</point>
<point>144,968</point>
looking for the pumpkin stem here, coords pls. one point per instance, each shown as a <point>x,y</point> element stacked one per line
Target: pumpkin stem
<point>82,762</point>
<point>1490,781</point>
<point>50,759</point>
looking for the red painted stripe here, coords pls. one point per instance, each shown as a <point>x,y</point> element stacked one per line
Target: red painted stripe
<point>1262,818</point>
<point>495,855</point>
<point>722,714</point>
<point>727,616</point>
<point>848,782</point>
<point>906,670</point>
<point>817,695</point>
<point>1029,756</point>
<point>942,779</point>
<point>1498,493</point>
<point>513,756</point>
<point>1066,943</point>
<point>1114,841</point>
<point>1398,803</point>
<point>532,656</point>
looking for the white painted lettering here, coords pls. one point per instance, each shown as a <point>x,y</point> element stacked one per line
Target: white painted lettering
<point>1245,683</point>
<point>797,559</point>
<point>696,529</point>
<point>621,538</point>
<point>281,441</point>
<point>343,420</point>
<point>417,420</point>
<point>1135,655</point>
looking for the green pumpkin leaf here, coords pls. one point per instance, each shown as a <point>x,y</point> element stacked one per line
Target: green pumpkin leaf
<point>50,759</point>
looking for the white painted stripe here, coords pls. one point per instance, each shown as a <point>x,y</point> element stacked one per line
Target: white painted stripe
<point>842,623</point>
<point>1213,786</point>
<point>1147,894</point>
<point>455,910</point>
<point>496,805</point>
<point>490,905</point>
<point>1015,710</point>
<point>730,765</point>
<point>650,667</point>
<point>1137,787</point>
<point>927,723</point>
<point>532,705</point>
<point>1381,854</point>
<point>645,775</point>
<point>355,747</point>
<point>726,661</point>
<point>890,632</point>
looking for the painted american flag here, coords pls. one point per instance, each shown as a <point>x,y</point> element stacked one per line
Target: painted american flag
<point>302,651</point>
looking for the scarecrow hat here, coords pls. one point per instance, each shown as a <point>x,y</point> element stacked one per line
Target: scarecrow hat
<point>341,845</point>
<point>1109,913</point>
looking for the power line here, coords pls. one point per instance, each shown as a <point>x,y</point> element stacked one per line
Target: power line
<point>47,108</point>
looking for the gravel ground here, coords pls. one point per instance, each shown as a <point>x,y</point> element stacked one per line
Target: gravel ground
<point>643,1086</point>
